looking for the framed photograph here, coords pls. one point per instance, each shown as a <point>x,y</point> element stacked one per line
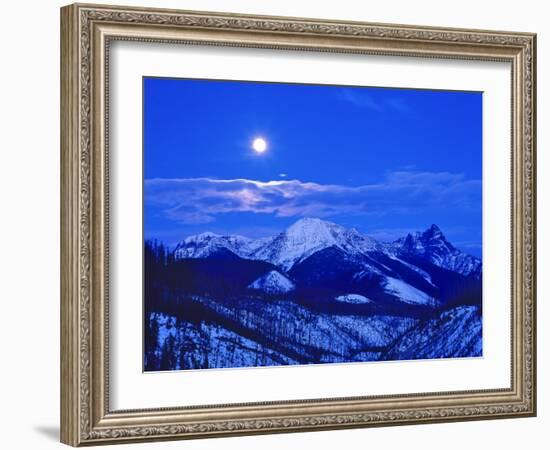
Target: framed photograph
<point>275,224</point>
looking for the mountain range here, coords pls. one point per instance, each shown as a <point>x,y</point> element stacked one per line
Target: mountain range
<point>317,254</point>
<point>315,292</point>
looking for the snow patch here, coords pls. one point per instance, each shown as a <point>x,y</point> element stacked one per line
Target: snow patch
<point>355,299</point>
<point>273,283</point>
<point>407,293</point>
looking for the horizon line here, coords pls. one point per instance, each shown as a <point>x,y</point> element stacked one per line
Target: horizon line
<point>370,236</point>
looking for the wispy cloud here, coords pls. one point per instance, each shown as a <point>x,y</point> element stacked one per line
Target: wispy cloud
<point>365,99</point>
<point>361,99</point>
<point>200,200</point>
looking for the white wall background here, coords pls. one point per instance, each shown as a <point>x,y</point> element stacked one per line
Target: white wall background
<point>29,227</point>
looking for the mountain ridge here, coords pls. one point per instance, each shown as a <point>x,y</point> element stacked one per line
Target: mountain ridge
<point>308,236</point>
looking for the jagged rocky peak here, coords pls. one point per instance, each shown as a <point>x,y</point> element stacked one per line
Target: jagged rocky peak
<point>434,232</point>
<point>433,246</point>
<point>423,241</point>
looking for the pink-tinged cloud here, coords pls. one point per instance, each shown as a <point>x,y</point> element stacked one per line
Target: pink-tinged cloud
<point>200,200</point>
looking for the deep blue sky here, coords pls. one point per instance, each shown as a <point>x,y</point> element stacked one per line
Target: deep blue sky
<point>386,161</point>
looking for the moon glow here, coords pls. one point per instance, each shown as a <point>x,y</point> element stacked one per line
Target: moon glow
<point>259,145</point>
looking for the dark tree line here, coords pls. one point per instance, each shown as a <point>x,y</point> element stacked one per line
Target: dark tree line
<point>156,258</point>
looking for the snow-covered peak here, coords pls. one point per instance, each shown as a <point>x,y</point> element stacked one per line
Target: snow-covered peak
<point>301,239</point>
<point>312,224</point>
<point>310,233</point>
<point>201,237</point>
<point>205,244</point>
<point>272,283</point>
<point>308,236</point>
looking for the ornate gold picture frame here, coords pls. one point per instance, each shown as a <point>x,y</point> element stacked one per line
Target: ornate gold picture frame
<point>87,32</point>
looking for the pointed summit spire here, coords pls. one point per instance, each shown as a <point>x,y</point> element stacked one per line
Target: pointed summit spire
<point>434,232</point>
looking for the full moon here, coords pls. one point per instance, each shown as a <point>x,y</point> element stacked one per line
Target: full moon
<point>259,145</point>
